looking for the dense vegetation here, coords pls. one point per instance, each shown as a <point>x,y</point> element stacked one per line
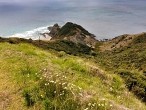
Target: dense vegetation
<point>70,47</point>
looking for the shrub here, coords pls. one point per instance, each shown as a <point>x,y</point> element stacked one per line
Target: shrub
<point>13,41</point>
<point>135,82</point>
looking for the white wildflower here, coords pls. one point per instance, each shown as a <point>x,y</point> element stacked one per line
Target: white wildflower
<point>111,105</point>
<point>89,104</point>
<point>27,75</point>
<point>63,83</point>
<point>93,104</point>
<point>41,95</point>
<point>86,109</point>
<point>111,89</point>
<point>65,87</point>
<point>80,88</point>
<point>81,94</point>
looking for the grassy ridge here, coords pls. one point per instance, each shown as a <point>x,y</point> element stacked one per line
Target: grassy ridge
<point>58,45</point>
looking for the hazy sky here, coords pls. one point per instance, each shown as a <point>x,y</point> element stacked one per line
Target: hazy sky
<point>104,18</point>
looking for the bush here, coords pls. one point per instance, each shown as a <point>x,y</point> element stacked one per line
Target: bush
<point>13,41</point>
<point>135,82</point>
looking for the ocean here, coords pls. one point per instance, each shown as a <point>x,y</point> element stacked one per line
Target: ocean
<point>104,18</point>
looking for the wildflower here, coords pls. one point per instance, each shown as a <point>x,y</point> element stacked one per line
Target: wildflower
<point>99,105</point>
<point>103,99</point>
<point>45,84</point>
<point>118,96</point>
<point>63,83</point>
<point>102,104</point>
<point>80,88</point>
<point>111,89</point>
<point>41,95</point>
<point>64,77</point>
<point>111,105</point>
<point>52,81</point>
<point>28,75</point>
<point>36,73</point>
<point>65,87</point>
<point>40,77</point>
<point>81,94</point>
<point>86,109</point>
<point>89,104</point>
<point>93,104</point>
<point>60,94</point>
<point>55,92</point>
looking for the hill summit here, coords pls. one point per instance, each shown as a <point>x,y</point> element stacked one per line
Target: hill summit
<point>125,40</point>
<point>74,33</point>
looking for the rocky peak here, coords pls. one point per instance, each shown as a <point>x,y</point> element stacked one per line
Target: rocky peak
<point>73,32</point>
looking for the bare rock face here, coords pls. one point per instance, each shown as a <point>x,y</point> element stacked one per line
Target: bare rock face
<point>73,32</point>
<point>54,30</point>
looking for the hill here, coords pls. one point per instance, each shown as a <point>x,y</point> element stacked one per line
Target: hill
<point>123,41</point>
<point>127,58</point>
<point>62,74</point>
<point>31,78</point>
<point>74,33</point>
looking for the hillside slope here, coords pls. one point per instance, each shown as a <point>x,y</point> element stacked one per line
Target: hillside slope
<point>35,79</point>
<point>126,58</point>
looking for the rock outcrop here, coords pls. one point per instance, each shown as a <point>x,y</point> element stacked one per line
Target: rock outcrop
<point>72,32</point>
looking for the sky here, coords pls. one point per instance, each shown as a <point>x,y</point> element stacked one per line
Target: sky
<point>104,18</point>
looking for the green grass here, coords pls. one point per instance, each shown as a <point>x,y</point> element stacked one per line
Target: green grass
<point>32,78</point>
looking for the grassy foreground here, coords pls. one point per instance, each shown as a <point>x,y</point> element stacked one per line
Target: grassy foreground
<point>35,79</point>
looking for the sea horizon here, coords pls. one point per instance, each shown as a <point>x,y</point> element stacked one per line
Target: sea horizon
<point>103,18</point>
